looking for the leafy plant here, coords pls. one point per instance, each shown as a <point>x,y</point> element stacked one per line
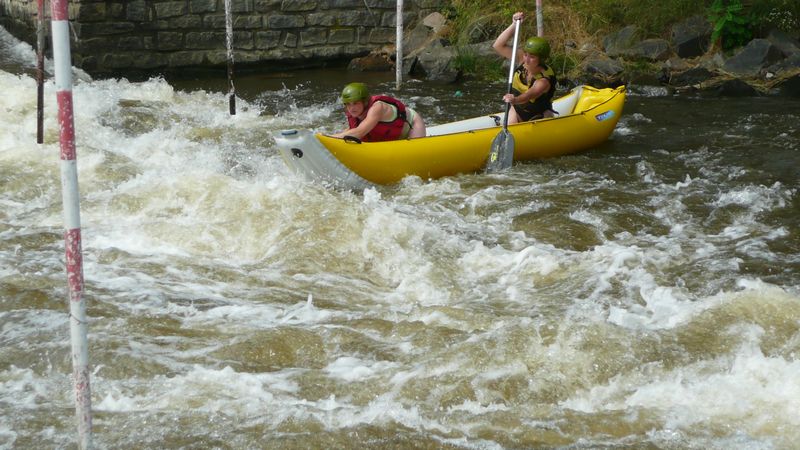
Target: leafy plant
<point>731,24</point>
<point>781,14</point>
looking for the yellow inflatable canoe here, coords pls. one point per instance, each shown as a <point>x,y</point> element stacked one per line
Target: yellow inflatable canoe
<point>587,117</point>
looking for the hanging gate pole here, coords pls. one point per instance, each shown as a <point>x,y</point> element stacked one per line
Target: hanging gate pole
<point>40,73</point>
<point>399,45</point>
<point>229,44</point>
<point>539,19</point>
<point>72,236</point>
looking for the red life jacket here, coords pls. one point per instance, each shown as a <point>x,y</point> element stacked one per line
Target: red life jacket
<point>383,131</point>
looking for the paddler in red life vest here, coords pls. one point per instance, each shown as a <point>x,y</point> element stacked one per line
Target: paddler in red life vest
<point>378,117</point>
<point>534,82</point>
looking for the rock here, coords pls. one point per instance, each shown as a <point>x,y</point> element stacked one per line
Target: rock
<point>435,21</point>
<point>691,77</point>
<point>436,63</point>
<point>756,55</point>
<point>603,66</point>
<point>649,49</point>
<point>712,62</point>
<point>484,50</point>
<point>736,88</point>
<point>790,87</point>
<point>785,43</point>
<point>692,37</point>
<point>616,44</point>
<point>418,37</point>
<point>676,64</point>
<point>785,65</point>
<point>601,71</point>
<point>374,62</point>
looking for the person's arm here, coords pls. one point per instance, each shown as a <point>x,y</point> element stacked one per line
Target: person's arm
<point>499,45</point>
<point>539,87</point>
<point>374,115</point>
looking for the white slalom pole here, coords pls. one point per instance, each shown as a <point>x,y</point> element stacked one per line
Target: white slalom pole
<point>539,19</point>
<point>399,45</point>
<point>229,44</point>
<point>72,236</point>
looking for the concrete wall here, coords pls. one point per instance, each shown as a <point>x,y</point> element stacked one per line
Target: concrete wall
<point>115,36</point>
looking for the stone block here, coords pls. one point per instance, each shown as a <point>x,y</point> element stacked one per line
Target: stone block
<point>116,61</point>
<point>185,22</point>
<point>265,40</point>
<point>298,5</point>
<point>130,43</point>
<point>341,36</point>
<point>202,6</point>
<point>346,4</point>
<point>202,40</point>
<point>385,4</point>
<point>247,22</point>
<point>316,36</point>
<point>169,40</point>
<point>353,18</point>
<point>241,6</point>
<point>382,35</point>
<point>136,10</point>
<point>183,59</point>
<point>263,6</point>
<point>290,41</point>
<point>431,4</point>
<point>85,30</point>
<point>116,11</point>
<point>321,19</point>
<point>170,9</point>
<point>217,57</point>
<point>243,40</point>
<point>280,21</point>
<point>91,12</point>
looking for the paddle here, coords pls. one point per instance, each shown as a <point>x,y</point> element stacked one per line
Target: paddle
<point>501,155</point>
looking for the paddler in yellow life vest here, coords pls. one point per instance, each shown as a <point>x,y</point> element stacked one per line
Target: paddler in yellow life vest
<point>378,117</point>
<point>534,82</point>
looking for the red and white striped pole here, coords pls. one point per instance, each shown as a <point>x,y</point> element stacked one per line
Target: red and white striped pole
<point>40,73</point>
<point>72,220</point>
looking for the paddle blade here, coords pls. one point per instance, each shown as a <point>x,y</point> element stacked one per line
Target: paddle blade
<point>501,155</point>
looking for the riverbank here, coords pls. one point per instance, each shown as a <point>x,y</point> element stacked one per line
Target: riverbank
<point>687,56</point>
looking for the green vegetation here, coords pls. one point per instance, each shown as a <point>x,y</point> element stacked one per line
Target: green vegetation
<point>573,24</point>
<point>731,26</point>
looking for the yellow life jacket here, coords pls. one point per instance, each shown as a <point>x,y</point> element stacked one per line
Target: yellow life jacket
<point>535,108</point>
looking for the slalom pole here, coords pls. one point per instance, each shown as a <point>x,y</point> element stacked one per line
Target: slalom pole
<point>539,19</point>
<point>399,46</point>
<point>40,73</point>
<point>72,236</point>
<point>229,43</point>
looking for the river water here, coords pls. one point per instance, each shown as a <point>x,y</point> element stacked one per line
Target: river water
<point>644,294</point>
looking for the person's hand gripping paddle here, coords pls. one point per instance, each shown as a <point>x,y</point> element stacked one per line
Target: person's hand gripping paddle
<point>501,155</point>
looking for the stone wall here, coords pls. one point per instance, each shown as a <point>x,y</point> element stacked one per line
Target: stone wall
<point>116,36</point>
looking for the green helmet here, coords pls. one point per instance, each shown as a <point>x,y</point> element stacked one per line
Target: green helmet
<point>537,46</point>
<point>354,92</point>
